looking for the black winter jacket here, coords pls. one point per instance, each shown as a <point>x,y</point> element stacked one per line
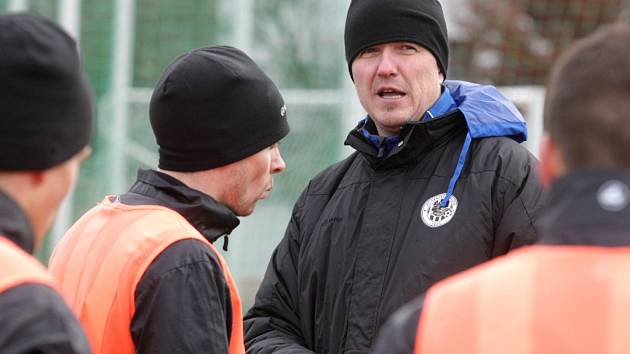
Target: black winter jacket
<point>33,317</point>
<point>357,247</point>
<point>573,215</point>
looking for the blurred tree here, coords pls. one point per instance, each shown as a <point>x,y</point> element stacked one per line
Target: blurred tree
<point>514,42</point>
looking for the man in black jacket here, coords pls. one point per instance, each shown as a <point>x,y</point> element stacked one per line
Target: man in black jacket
<point>568,293</point>
<point>45,127</point>
<point>438,184</point>
<point>217,119</point>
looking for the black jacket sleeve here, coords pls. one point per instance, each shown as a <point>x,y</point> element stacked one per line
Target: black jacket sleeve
<point>182,303</point>
<point>273,324</point>
<point>398,335</point>
<point>35,319</point>
<point>518,200</point>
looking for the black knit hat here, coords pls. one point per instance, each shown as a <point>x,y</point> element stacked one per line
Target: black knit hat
<point>214,106</point>
<point>372,22</point>
<point>46,105</point>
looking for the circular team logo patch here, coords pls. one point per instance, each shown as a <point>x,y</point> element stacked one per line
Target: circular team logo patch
<point>613,196</point>
<point>433,215</point>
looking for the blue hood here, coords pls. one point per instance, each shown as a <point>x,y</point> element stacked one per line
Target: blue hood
<point>488,113</point>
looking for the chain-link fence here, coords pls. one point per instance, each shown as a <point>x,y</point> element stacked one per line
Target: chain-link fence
<point>125,45</point>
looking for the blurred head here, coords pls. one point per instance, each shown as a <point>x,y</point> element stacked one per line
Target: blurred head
<point>397,53</point>
<point>47,115</point>
<point>40,192</point>
<point>217,118</point>
<point>587,107</point>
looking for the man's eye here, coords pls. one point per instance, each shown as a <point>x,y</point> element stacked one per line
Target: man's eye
<point>408,48</point>
<point>368,52</point>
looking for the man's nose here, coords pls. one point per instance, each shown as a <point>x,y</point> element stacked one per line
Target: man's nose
<point>277,163</point>
<point>387,64</point>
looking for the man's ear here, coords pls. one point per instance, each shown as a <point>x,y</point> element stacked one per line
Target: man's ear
<point>552,163</point>
<point>36,178</point>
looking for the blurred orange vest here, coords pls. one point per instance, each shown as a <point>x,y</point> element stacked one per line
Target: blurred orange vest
<point>540,299</point>
<point>18,267</point>
<point>101,259</point>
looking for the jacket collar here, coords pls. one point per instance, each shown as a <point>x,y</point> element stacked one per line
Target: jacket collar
<point>14,224</point>
<point>416,139</point>
<point>385,144</point>
<point>589,207</point>
<point>211,218</point>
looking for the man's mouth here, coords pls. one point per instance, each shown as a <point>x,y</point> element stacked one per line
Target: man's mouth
<point>265,194</point>
<point>390,93</point>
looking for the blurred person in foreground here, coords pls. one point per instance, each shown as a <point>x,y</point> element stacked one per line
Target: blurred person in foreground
<point>438,184</point>
<point>45,127</point>
<point>140,269</point>
<point>570,293</point>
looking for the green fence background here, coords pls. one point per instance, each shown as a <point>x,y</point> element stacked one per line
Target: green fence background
<point>125,44</point>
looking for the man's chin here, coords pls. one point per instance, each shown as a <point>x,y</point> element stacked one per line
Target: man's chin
<point>389,124</point>
<point>245,211</point>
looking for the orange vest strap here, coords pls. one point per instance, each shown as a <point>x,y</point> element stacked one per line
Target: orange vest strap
<point>18,267</point>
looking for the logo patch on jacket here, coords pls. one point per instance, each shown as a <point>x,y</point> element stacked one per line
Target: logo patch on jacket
<point>613,196</point>
<point>433,215</point>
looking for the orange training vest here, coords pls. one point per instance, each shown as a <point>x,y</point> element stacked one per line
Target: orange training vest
<point>18,267</point>
<point>101,259</point>
<point>540,299</point>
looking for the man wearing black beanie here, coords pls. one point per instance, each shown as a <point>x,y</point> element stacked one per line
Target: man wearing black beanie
<point>45,127</point>
<point>438,183</point>
<point>140,269</point>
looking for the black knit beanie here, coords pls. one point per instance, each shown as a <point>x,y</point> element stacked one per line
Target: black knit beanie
<point>214,106</point>
<point>47,112</point>
<point>372,22</point>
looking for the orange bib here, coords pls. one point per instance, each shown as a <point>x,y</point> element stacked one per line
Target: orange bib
<point>18,267</point>
<point>101,259</point>
<point>540,299</point>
